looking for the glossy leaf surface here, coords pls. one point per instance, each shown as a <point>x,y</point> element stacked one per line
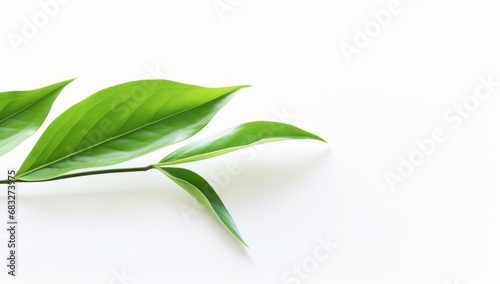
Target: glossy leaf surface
<point>23,112</point>
<point>236,138</point>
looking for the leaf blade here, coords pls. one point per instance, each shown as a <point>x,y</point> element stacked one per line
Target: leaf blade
<point>235,138</point>
<point>203,192</point>
<point>23,112</point>
<point>123,122</point>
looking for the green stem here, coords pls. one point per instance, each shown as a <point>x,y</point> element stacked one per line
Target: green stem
<point>101,172</point>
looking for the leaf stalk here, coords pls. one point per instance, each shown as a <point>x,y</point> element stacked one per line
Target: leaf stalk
<point>81,174</point>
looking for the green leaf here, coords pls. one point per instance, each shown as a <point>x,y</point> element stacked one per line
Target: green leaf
<point>203,192</point>
<point>236,138</point>
<point>120,123</point>
<point>23,112</point>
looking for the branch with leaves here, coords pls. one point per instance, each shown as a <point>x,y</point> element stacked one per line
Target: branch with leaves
<point>127,121</point>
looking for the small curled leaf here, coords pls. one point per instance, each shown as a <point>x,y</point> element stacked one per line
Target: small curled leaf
<point>203,192</point>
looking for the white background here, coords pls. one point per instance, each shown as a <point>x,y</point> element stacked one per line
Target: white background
<point>441,225</point>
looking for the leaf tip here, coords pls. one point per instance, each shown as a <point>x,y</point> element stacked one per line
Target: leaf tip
<point>240,239</point>
<point>64,83</point>
<point>245,244</point>
<point>239,87</point>
<point>322,140</point>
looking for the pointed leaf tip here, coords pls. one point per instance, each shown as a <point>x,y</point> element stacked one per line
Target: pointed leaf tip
<point>23,112</point>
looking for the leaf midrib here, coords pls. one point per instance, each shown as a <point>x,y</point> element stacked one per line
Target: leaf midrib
<point>118,136</point>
